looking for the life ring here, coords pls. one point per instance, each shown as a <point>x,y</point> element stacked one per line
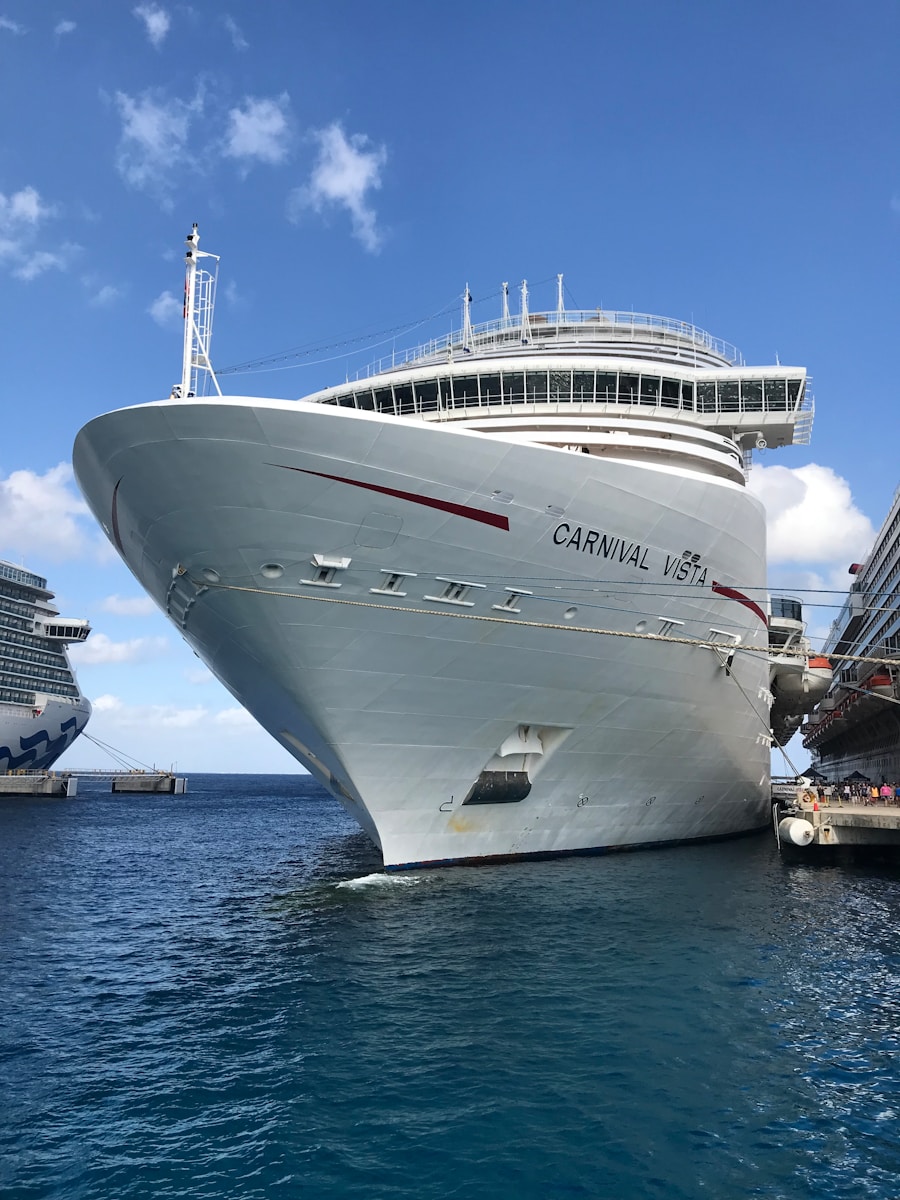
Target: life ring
<point>810,797</point>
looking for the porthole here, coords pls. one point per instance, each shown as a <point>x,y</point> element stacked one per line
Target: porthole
<point>640,627</point>
<point>210,575</point>
<point>271,570</point>
<point>570,614</point>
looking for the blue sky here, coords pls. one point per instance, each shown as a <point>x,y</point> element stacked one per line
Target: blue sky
<point>355,165</point>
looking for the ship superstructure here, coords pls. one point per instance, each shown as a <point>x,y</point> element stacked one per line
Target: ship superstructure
<point>503,597</point>
<point>42,709</point>
<point>856,728</point>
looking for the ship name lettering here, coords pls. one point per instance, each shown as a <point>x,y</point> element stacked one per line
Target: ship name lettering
<point>601,545</point>
<point>684,570</point>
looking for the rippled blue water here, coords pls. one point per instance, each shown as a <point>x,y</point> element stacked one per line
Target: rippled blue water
<point>215,995</point>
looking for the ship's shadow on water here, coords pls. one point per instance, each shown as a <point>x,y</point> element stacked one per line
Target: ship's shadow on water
<point>224,995</point>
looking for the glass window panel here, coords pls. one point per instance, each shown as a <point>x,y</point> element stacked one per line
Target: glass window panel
<point>729,395</point>
<point>751,395</point>
<point>536,385</point>
<point>628,388</point>
<point>427,395</point>
<point>403,394</point>
<point>345,401</point>
<point>490,389</point>
<point>513,387</point>
<point>671,393</point>
<point>793,392</point>
<point>465,389</point>
<point>650,389</point>
<point>776,398</point>
<point>706,397</point>
<point>561,385</point>
<point>583,385</point>
<point>444,392</point>
<point>687,395</point>
<point>606,385</point>
<point>384,400</point>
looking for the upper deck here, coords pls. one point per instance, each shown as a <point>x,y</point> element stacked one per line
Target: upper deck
<point>589,331</point>
<point>569,364</point>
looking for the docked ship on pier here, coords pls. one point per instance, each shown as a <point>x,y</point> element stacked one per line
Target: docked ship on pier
<point>505,596</point>
<point>856,728</point>
<point>42,710</point>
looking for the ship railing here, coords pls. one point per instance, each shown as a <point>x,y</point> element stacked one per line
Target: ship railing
<point>585,326</point>
<point>20,575</point>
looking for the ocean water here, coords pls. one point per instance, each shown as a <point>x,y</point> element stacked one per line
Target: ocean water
<point>220,995</point>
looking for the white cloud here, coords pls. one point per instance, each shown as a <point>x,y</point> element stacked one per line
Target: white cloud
<point>237,38</point>
<point>63,27</point>
<point>39,261</point>
<point>345,171</point>
<point>104,296</point>
<point>234,718</point>
<point>154,134</point>
<point>166,309</point>
<point>197,676</point>
<point>193,738</point>
<point>259,130</point>
<point>128,606</point>
<point>156,22</point>
<point>811,517</point>
<point>11,26</point>
<point>101,649</point>
<point>22,217</point>
<point>43,515</point>
<point>22,210</point>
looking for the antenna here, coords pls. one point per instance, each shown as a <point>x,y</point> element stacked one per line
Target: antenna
<point>467,320</point>
<point>504,287</point>
<point>560,306</point>
<point>525,326</point>
<point>199,301</point>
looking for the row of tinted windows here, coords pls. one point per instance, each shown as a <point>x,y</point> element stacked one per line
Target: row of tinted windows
<point>621,387</point>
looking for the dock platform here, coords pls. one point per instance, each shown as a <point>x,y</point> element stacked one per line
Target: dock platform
<point>38,783</point>
<point>805,828</point>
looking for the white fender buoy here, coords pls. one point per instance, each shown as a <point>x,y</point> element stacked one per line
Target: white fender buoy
<point>796,831</point>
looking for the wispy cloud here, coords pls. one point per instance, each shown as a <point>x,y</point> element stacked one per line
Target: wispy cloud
<point>233,30</point>
<point>39,261</point>
<point>346,171</point>
<point>45,516</point>
<point>11,26</point>
<point>154,133</point>
<point>128,606</point>
<point>61,28</point>
<point>100,649</point>
<point>166,309</point>
<point>104,296</point>
<point>259,130</point>
<point>156,22</point>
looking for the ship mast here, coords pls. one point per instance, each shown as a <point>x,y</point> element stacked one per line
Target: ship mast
<point>199,301</point>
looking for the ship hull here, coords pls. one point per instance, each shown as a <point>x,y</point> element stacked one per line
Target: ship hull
<point>521,690</point>
<point>34,740</point>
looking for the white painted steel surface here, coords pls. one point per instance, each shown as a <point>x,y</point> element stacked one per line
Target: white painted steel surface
<point>397,702</point>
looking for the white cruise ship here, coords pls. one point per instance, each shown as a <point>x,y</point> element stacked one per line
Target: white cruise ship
<point>504,597</point>
<point>42,710</point>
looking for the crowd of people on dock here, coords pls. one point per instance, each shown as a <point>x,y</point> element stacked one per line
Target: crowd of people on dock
<point>856,791</point>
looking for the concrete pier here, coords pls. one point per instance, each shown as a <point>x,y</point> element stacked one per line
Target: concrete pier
<point>805,829</point>
<point>40,783</point>
<point>142,783</point>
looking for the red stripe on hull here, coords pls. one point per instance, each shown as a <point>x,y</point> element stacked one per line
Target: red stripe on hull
<point>733,594</point>
<point>456,510</point>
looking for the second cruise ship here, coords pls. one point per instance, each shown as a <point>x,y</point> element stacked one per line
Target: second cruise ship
<point>42,709</point>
